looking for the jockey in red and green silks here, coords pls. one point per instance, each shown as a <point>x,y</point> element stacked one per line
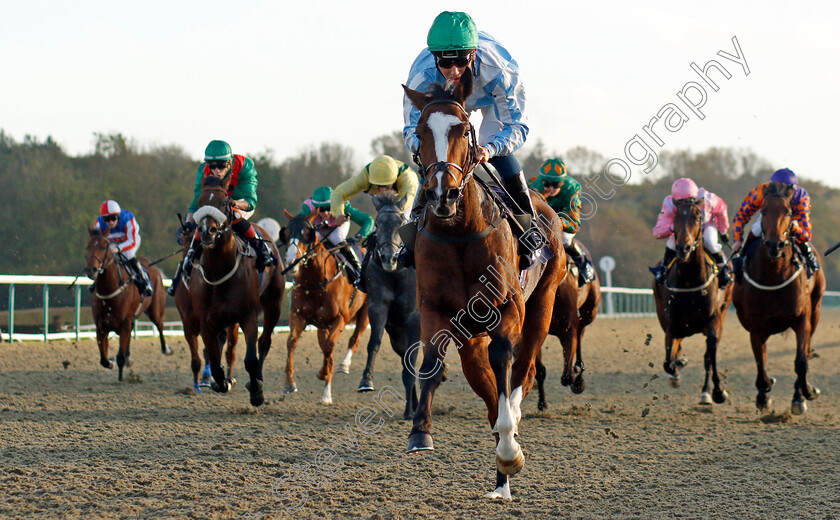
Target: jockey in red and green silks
<point>219,160</point>
<point>562,193</point>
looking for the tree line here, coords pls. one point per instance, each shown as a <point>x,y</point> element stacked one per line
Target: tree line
<point>54,197</point>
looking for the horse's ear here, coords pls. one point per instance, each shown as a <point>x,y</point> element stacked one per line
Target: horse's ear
<point>226,179</point>
<point>283,237</point>
<point>377,203</point>
<point>465,86</point>
<point>91,231</point>
<point>288,215</point>
<point>402,201</point>
<point>105,232</point>
<point>418,99</point>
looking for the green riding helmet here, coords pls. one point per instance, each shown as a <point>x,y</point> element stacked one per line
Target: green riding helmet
<point>218,151</point>
<point>553,170</point>
<point>321,197</point>
<point>452,31</point>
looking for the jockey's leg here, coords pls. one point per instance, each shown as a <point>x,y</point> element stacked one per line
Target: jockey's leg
<point>371,246</point>
<point>186,264</point>
<point>141,278</point>
<point>405,255</point>
<point>738,259</point>
<point>354,267</point>
<point>811,261</point>
<point>711,242</point>
<point>670,253</point>
<point>587,272</point>
<point>531,240</point>
<point>244,229</point>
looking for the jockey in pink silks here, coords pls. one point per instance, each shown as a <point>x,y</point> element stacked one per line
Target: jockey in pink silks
<point>715,224</point>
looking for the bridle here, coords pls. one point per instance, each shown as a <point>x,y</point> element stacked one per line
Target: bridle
<point>384,211</point>
<point>696,239</point>
<point>309,252</point>
<point>784,238</point>
<point>104,262</point>
<point>444,166</point>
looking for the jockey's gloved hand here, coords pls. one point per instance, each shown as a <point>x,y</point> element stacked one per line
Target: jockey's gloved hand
<point>724,237</point>
<point>351,240</point>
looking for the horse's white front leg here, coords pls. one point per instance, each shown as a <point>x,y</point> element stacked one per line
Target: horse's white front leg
<point>509,458</point>
<point>344,366</point>
<point>327,397</point>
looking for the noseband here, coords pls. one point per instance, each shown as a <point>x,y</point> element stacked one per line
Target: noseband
<point>103,263</point>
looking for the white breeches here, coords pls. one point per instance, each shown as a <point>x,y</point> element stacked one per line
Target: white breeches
<point>711,241</point>
<point>338,234</point>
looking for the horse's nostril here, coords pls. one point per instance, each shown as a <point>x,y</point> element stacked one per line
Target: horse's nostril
<point>452,194</point>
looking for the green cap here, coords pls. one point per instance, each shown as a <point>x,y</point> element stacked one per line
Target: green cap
<point>321,197</point>
<point>452,31</point>
<point>218,151</point>
<point>553,170</point>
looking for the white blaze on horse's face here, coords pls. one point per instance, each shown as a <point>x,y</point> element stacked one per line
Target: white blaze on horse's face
<point>291,253</point>
<point>440,124</point>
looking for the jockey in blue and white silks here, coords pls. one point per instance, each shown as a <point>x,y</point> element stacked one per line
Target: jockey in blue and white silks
<point>497,91</point>
<point>123,234</point>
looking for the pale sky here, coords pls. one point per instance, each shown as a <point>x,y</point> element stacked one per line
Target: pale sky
<point>286,75</point>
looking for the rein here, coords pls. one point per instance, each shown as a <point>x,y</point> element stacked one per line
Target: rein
<point>773,287</point>
<point>103,265</point>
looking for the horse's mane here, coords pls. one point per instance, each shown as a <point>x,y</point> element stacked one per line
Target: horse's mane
<point>214,182</point>
<point>389,198</point>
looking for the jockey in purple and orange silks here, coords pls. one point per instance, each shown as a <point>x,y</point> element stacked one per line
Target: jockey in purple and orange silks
<point>124,239</point>
<point>800,206</point>
<point>715,223</point>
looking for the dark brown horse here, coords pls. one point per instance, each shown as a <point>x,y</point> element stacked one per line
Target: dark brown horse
<point>468,283</point>
<point>192,327</point>
<point>689,300</point>
<point>116,301</point>
<point>226,289</point>
<point>777,295</point>
<point>575,308</point>
<point>321,296</point>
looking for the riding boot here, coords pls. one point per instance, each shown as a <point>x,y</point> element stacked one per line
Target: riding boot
<point>738,259</point>
<point>353,267</point>
<point>587,272</point>
<point>265,257</point>
<point>723,268</point>
<point>185,266</point>
<point>660,270</point>
<point>141,277</point>
<point>811,262</point>
<point>371,246</point>
<point>405,255</point>
<point>531,241</point>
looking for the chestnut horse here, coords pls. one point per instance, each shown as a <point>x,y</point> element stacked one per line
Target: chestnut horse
<point>468,281</point>
<point>777,294</point>
<point>226,289</point>
<point>575,308</point>
<point>321,296</point>
<point>192,327</point>
<point>116,301</point>
<point>689,300</point>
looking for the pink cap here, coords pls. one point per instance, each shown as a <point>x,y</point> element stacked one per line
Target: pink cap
<point>684,188</point>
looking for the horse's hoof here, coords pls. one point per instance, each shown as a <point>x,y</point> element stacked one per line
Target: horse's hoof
<point>342,369</point>
<point>107,363</point>
<point>542,406</point>
<point>681,362</point>
<point>366,385</point>
<point>290,388</point>
<point>720,397</point>
<point>420,441</point>
<point>705,398</point>
<point>675,381</point>
<point>502,492</point>
<point>166,350</point>
<point>257,396</point>
<point>762,401</point>
<point>322,374</point>
<point>798,407</point>
<point>129,361</point>
<point>511,467</point>
<point>815,392</point>
<point>326,400</point>
<point>578,386</point>
<point>566,379</point>
<point>197,388</point>
<point>206,379</point>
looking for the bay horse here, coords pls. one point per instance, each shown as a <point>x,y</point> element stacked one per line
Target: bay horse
<point>321,296</point>
<point>468,281</point>
<point>776,295</point>
<point>392,299</point>
<point>575,308</point>
<point>116,301</point>
<point>192,326</point>
<point>227,289</point>
<point>690,301</point>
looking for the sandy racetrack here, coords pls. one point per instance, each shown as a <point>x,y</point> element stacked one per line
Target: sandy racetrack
<point>77,444</point>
